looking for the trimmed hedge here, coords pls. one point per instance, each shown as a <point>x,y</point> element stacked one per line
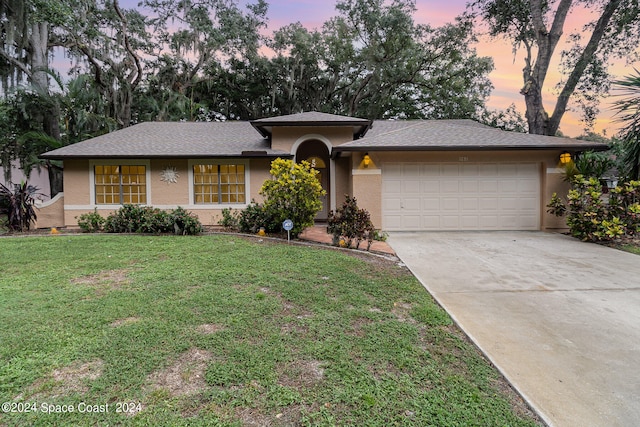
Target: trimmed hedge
<point>142,219</point>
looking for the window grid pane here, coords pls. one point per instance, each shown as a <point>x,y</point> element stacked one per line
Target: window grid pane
<point>116,184</point>
<point>217,184</point>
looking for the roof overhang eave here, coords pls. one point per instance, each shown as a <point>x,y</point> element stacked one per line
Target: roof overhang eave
<point>360,127</point>
<point>568,147</point>
<point>169,156</point>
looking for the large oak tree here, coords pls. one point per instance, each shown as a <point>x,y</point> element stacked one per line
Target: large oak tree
<point>537,26</point>
<point>371,60</point>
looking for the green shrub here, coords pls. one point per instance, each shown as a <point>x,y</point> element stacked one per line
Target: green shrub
<point>254,216</point>
<point>293,193</point>
<point>556,206</point>
<point>351,224</point>
<point>184,222</point>
<point>586,208</point>
<point>160,221</point>
<point>624,202</point>
<point>4,224</point>
<point>127,219</point>
<point>380,236</point>
<point>145,219</point>
<point>91,222</point>
<point>594,217</point>
<point>230,219</point>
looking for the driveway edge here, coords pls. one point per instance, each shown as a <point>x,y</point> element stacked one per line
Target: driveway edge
<point>524,397</point>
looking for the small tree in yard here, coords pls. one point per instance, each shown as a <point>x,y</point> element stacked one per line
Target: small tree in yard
<point>350,223</point>
<point>293,193</point>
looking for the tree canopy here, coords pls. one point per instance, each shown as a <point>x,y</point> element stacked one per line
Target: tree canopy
<point>212,60</point>
<point>629,114</point>
<point>536,26</point>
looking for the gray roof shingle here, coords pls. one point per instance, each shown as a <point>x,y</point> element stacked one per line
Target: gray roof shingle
<point>455,135</point>
<point>312,118</point>
<point>240,139</point>
<point>173,139</point>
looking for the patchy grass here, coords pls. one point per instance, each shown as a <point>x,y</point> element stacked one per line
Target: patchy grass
<point>225,331</point>
<point>627,244</point>
<point>634,249</point>
<point>3,224</point>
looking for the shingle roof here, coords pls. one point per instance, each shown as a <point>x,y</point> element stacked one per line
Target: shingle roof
<point>312,118</point>
<point>240,139</point>
<point>455,135</point>
<point>173,139</point>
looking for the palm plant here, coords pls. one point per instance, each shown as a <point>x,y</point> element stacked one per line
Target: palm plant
<point>18,206</point>
<point>629,113</point>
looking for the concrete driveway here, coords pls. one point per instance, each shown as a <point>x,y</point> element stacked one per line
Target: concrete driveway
<point>560,318</point>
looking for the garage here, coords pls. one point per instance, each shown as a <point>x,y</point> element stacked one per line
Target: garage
<point>460,196</point>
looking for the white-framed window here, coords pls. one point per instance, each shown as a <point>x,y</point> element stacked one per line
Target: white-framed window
<point>120,182</point>
<point>219,182</point>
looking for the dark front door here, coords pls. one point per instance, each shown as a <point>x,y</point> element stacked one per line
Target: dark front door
<point>317,154</point>
<point>323,177</point>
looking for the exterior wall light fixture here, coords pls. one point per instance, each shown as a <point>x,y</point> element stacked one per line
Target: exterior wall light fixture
<point>565,158</point>
<point>366,160</point>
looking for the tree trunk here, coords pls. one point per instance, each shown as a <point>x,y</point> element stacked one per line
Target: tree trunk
<point>534,77</point>
<point>39,39</point>
<point>537,117</point>
<point>125,112</point>
<point>540,122</point>
<point>39,42</point>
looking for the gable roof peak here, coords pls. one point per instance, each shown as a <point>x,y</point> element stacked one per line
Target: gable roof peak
<point>312,118</point>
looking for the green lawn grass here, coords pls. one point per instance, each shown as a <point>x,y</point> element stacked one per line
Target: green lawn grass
<point>220,330</point>
<point>634,249</point>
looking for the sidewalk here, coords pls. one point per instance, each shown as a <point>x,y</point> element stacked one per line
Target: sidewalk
<point>318,233</point>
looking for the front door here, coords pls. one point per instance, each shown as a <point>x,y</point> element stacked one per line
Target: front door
<point>319,165</point>
<point>318,156</point>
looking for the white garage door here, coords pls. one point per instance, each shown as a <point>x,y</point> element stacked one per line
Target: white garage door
<point>464,196</point>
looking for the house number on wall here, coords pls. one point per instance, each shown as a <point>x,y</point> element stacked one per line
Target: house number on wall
<point>463,159</point>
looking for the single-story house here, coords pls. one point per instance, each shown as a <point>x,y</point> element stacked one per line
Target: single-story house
<point>410,175</point>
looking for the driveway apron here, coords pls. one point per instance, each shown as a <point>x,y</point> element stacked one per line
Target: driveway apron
<point>560,318</point>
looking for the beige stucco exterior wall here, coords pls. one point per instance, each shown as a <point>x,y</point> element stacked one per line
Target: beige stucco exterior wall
<point>77,186</point>
<point>50,213</point>
<point>367,183</point>
<point>167,193</point>
<point>367,189</point>
<point>344,186</point>
<point>76,182</point>
<point>284,138</point>
<point>259,174</point>
<point>555,183</point>
<point>76,190</point>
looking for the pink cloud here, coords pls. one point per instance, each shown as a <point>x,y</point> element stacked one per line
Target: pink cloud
<point>438,12</point>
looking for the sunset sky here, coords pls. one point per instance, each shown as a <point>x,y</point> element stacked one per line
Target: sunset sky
<point>506,77</point>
